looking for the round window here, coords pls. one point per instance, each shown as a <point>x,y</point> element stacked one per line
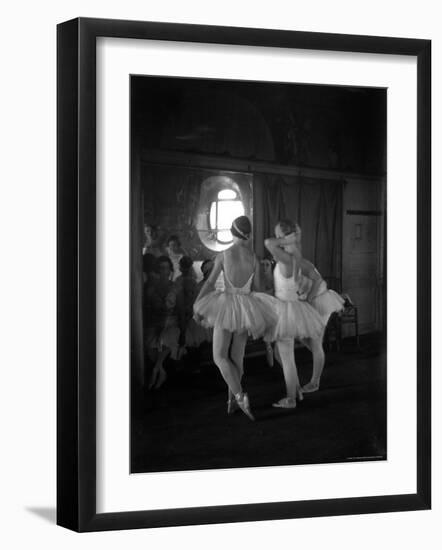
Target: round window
<point>220,204</point>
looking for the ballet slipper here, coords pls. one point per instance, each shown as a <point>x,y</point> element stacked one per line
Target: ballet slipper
<point>285,403</point>
<point>232,405</point>
<point>310,387</point>
<point>242,400</point>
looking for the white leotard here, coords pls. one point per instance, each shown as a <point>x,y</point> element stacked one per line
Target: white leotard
<point>285,287</point>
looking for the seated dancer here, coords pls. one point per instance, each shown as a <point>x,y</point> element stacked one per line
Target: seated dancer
<point>206,269</point>
<point>235,312</point>
<point>187,289</point>
<point>313,289</point>
<point>175,252</point>
<point>296,319</point>
<point>161,323</point>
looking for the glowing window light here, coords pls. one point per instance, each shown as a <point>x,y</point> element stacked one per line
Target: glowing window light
<point>223,211</point>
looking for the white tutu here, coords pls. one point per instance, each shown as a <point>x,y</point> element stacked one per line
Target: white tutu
<point>235,311</point>
<point>296,319</point>
<point>197,334</point>
<point>327,302</point>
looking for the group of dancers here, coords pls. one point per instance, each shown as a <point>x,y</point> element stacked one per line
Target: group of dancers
<point>298,310</point>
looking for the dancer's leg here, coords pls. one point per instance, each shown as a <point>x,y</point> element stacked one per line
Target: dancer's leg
<point>287,354</point>
<point>159,374</point>
<point>269,354</point>
<point>229,371</point>
<point>315,346</point>
<point>237,350</point>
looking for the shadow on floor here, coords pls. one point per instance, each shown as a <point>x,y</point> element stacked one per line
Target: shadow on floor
<point>48,514</point>
<point>184,425</point>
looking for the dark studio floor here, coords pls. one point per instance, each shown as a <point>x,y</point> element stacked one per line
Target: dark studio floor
<point>184,424</point>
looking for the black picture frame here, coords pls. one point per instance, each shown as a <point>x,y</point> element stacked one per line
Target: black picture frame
<point>76,274</point>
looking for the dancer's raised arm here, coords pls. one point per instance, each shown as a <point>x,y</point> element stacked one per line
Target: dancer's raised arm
<point>274,246</point>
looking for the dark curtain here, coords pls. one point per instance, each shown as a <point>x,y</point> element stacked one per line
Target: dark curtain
<point>316,204</point>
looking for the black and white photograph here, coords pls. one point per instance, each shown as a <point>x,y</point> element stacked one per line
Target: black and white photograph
<point>257,274</point>
<point>220,266</point>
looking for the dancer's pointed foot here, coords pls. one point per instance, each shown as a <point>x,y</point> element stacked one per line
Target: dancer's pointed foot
<point>285,403</point>
<point>242,400</point>
<point>232,405</point>
<point>310,387</point>
<point>157,378</point>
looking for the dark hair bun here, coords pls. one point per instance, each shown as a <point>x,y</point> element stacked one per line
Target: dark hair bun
<point>241,227</point>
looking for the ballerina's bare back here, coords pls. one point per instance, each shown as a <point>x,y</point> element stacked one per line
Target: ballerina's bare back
<point>239,265</point>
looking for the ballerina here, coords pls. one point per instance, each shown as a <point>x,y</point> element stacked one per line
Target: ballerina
<point>296,319</point>
<point>314,290</point>
<point>236,312</point>
<point>161,329</point>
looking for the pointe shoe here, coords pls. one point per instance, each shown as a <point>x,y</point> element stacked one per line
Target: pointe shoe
<point>242,400</point>
<point>310,387</point>
<point>232,405</point>
<point>285,403</point>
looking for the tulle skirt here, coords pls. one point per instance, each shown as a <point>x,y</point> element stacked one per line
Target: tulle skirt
<point>254,312</point>
<point>296,319</point>
<point>328,302</point>
<point>197,334</point>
